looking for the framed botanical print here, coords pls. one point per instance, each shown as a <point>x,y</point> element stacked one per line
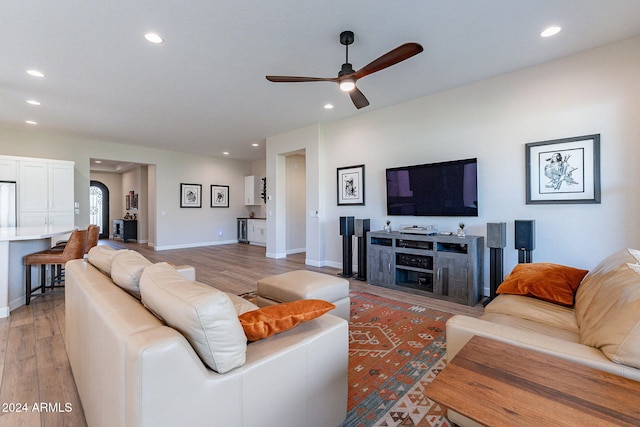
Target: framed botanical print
<point>351,185</point>
<point>563,170</point>
<point>190,195</point>
<point>219,196</point>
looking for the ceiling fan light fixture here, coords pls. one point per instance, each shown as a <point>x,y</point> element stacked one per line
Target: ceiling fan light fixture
<point>347,85</point>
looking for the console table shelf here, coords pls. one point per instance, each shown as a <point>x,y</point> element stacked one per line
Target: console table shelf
<point>439,266</point>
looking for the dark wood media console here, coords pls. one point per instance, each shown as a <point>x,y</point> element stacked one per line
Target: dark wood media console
<point>439,266</point>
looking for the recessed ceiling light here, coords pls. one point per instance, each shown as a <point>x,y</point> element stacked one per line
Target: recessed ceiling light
<point>97,161</point>
<point>31,122</point>
<point>33,102</point>
<point>550,31</point>
<point>153,38</point>
<point>35,73</point>
<point>328,106</point>
<point>255,144</point>
<point>226,153</point>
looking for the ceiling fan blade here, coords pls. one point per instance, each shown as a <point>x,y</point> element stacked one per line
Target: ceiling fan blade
<point>295,79</point>
<point>390,58</point>
<point>358,98</point>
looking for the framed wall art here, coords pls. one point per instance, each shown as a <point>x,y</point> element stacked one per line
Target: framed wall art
<point>219,196</point>
<point>351,185</point>
<point>190,195</point>
<point>563,170</point>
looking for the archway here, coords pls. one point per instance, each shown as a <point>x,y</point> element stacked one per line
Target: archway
<point>99,207</point>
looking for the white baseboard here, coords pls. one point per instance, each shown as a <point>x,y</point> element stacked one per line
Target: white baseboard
<point>193,245</point>
<point>276,256</point>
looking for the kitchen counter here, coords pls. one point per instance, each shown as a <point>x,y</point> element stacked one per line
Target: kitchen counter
<point>15,243</point>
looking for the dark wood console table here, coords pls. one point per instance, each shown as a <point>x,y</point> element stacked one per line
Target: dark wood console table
<point>497,384</point>
<point>125,229</point>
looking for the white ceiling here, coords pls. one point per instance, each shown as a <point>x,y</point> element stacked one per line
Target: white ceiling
<point>204,89</point>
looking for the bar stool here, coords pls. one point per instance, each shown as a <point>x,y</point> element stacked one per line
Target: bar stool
<point>74,249</point>
<point>93,235</point>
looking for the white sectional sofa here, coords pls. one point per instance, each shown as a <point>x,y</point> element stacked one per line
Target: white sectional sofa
<point>131,369</point>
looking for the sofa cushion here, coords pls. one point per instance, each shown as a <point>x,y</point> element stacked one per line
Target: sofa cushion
<point>204,315</point>
<point>535,310</point>
<point>270,320</point>
<point>601,273</point>
<point>543,280</point>
<point>101,257</point>
<point>611,322</point>
<point>126,269</point>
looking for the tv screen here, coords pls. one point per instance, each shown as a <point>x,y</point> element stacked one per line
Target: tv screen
<point>435,189</point>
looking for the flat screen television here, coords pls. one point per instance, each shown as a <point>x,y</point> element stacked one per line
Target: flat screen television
<point>434,189</point>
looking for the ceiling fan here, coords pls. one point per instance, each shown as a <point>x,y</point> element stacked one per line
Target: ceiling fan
<point>347,77</point>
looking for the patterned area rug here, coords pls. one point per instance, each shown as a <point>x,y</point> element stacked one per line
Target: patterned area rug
<point>395,349</point>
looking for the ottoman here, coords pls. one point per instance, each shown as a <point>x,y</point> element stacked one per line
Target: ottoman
<point>304,284</point>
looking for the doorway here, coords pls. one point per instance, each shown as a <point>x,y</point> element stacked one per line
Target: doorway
<point>99,207</point>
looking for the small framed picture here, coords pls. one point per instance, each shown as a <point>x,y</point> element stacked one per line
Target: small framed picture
<point>351,185</point>
<point>127,202</point>
<point>563,170</point>
<point>219,196</point>
<point>190,195</point>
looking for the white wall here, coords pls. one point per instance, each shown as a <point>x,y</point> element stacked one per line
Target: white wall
<point>278,147</point>
<point>295,203</point>
<point>174,226</point>
<point>595,92</point>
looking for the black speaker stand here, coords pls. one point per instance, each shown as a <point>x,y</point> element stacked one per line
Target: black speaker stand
<point>496,272</point>
<point>362,259</point>
<point>347,255</point>
<point>524,256</point>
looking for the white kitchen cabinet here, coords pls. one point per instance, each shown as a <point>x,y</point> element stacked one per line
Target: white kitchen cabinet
<point>8,169</point>
<point>45,192</point>
<point>252,190</point>
<point>257,231</point>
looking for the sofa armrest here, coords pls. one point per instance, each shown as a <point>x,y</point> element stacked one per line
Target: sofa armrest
<point>301,372</point>
<point>461,328</point>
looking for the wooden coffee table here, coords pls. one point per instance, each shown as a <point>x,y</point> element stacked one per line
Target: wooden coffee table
<point>497,384</point>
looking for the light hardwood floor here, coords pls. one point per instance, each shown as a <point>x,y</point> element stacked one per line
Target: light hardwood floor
<point>37,387</point>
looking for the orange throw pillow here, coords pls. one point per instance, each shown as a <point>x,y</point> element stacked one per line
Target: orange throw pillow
<point>543,280</point>
<point>270,320</point>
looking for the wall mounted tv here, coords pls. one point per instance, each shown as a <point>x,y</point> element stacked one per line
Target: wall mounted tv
<point>434,189</point>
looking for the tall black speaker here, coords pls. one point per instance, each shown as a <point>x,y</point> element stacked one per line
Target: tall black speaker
<point>362,227</point>
<point>347,230</point>
<point>496,241</point>
<point>346,226</point>
<point>525,239</point>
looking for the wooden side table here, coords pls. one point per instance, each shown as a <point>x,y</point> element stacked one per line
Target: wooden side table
<point>497,384</point>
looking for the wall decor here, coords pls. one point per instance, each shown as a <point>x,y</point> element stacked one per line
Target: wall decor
<point>563,170</point>
<point>190,195</point>
<point>351,185</point>
<point>219,196</point>
<point>127,202</point>
<point>134,201</point>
